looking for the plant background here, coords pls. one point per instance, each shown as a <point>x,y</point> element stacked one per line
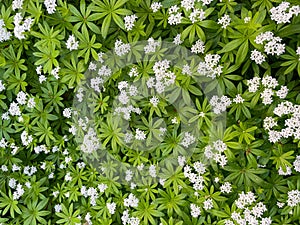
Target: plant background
<point>253,161</point>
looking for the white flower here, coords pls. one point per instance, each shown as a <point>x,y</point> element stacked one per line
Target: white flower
<point>21,98</point>
<point>129,175</point>
<point>187,4</point>
<point>199,47</point>
<point>283,13</point>
<point>131,201</point>
<point>280,204</point>
<point>140,135</point>
<point>57,208</point>
<point>224,21</point>
<point>298,51</point>
<point>19,192</point>
<point>208,204</point>
<point>26,139</point>
<point>287,172</point>
<point>152,171</point>
<point>4,34</point>
<point>68,176</point>
<point>247,19</point>
<point>253,84</point>
<point>293,198</point>
<point>67,112</point>
<point>12,183</point>
<point>55,71</point>
<point>181,160</point>
<point>238,99</point>
<point>220,104</point>
<point>187,140</point>
<point>133,72</point>
<point>177,40</point>
<point>266,96</point>
<point>151,46</point>
<point>226,188</point>
<point>31,103</point>
<point>111,207</point>
<point>210,67</point>
<point>199,167</point>
<point>206,2</point>
<point>121,49</point>
<point>269,122</point>
<point>257,56</point>
<point>282,92</point>
<point>154,101</point>
<point>2,86</point>
<point>14,109</point>
<point>90,142</point>
<point>155,6</point>
<point>129,21</point>
<point>102,187</point>
<point>296,163</point>
<point>72,44</point>
<point>20,29</point>
<point>197,15</point>
<point>174,17</point>
<point>195,210</point>
<point>50,6</point>
<point>17,4</point>
<point>42,78</point>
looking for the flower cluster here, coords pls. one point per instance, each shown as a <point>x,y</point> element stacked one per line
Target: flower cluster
<point>257,56</point>
<point>210,67</point>
<point>4,34</point>
<point>195,178</point>
<point>215,151</point>
<point>272,44</point>
<point>224,21</point>
<point>291,125</point>
<point>284,12</point>
<point>50,6</point>
<point>268,85</point>
<point>293,198</point>
<point>151,46</point>
<point>20,29</point>
<point>129,21</point>
<point>72,44</point>
<point>219,104</point>
<point>121,48</point>
<point>163,78</point>
<point>250,213</point>
<point>175,16</point>
<point>199,47</point>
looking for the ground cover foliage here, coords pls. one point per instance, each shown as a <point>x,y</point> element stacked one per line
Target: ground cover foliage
<point>149,112</point>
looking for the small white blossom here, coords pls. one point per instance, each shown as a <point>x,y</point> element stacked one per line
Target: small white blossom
<point>226,188</point>
<point>208,204</point>
<point>129,21</point>
<point>140,135</point>
<point>50,6</point>
<point>111,207</point>
<point>257,56</point>
<point>199,47</point>
<point>72,44</point>
<point>177,40</point>
<point>17,4</point>
<point>195,210</point>
<point>67,112</point>
<point>155,6</point>
<point>131,201</point>
<point>224,21</point>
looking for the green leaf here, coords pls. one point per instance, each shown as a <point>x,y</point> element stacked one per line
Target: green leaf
<point>231,45</point>
<point>105,25</point>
